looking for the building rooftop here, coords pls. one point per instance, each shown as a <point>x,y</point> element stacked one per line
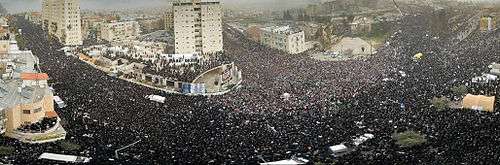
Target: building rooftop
<point>20,67</point>
<point>34,76</point>
<point>281,29</point>
<point>120,23</point>
<point>195,1</point>
<point>3,21</point>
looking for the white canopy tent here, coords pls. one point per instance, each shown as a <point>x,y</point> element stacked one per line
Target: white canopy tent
<point>156,98</point>
<point>363,138</point>
<point>64,158</point>
<point>60,103</point>
<point>338,148</point>
<point>287,162</point>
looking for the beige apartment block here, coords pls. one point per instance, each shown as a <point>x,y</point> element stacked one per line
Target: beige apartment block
<point>120,31</point>
<point>169,21</point>
<point>197,26</point>
<point>61,18</point>
<point>285,38</point>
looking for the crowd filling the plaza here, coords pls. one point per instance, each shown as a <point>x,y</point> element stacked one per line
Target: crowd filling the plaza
<point>287,106</point>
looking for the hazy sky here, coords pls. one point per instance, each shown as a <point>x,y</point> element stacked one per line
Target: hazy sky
<point>35,5</point>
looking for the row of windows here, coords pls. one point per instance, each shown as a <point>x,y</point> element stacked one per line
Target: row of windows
<point>192,15</point>
<point>34,111</point>
<point>196,31</point>
<point>198,9</point>
<point>73,21</point>
<point>199,36</point>
<point>213,42</point>
<point>72,12</point>
<point>204,26</point>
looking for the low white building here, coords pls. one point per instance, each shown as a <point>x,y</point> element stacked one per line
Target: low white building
<point>120,31</point>
<point>285,38</point>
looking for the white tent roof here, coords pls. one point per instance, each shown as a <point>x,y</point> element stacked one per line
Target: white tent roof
<point>283,162</point>
<point>65,158</point>
<point>363,138</point>
<point>57,99</point>
<point>338,148</point>
<point>156,98</point>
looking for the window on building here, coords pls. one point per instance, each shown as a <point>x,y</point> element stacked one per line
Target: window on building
<point>37,110</point>
<point>26,112</point>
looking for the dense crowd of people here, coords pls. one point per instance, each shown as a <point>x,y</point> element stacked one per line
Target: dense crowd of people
<point>330,103</point>
<point>42,126</point>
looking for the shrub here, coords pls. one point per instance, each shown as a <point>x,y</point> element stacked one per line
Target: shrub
<point>6,150</point>
<point>459,90</point>
<point>68,146</point>
<point>441,103</point>
<point>409,139</point>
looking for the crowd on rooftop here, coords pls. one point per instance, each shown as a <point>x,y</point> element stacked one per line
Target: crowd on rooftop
<point>41,126</point>
<point>152,55</point>
<point>329,103</point>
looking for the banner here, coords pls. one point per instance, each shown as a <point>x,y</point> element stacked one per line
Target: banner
<point>186,88</point>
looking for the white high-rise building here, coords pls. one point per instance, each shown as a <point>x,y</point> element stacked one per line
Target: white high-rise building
<point>197,26</point>
<point>120,31</point>
<point>285,38</point>
<point>61,18</point>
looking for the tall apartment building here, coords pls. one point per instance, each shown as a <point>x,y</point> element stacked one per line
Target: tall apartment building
<point>285,38</point>
<point>61,18</point>
<point>169,21</point>
<point>197,26</point>
<point>120,31</point>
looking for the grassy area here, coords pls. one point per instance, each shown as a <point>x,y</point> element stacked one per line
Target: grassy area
<point>409,139</point>
<point>69,146</point>
<point>441,103</point>
<point>253,20</point>
<point>6,150</point>
<point>459,90</point>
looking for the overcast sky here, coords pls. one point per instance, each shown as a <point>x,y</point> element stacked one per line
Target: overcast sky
<point>35,5</point>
